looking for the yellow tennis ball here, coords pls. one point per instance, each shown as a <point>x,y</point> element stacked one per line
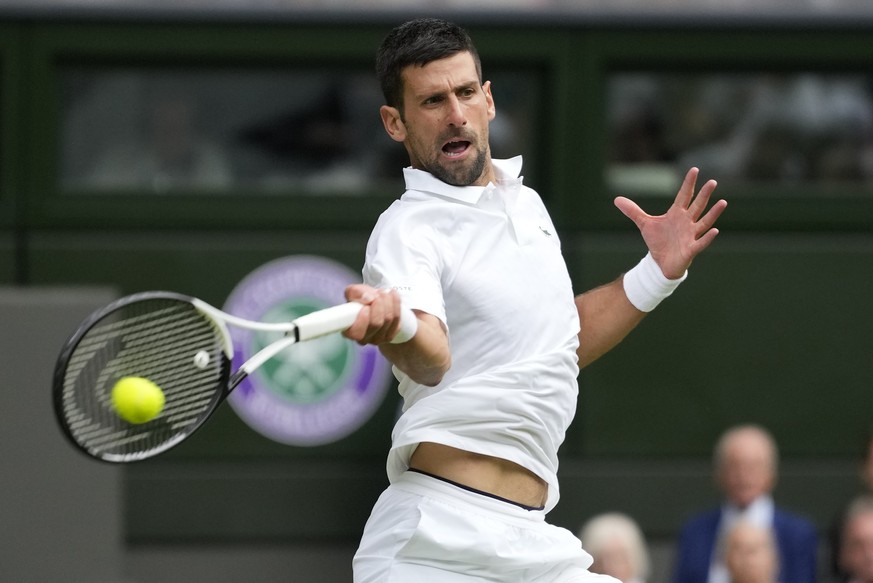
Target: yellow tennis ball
<point>137,400</point>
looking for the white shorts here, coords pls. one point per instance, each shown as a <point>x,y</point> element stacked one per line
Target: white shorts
<point>424,530</point>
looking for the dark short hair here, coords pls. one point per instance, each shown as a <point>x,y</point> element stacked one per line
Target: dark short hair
<point>418,42</point>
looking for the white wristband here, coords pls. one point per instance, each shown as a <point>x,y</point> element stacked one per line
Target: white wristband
<point>646,286</point>
<point>408,326</point>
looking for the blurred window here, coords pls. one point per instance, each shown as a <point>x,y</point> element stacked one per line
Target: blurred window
<point>760,131</point>
<point>269,131</point>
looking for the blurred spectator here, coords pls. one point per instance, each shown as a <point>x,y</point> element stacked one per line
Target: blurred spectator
<point>793,128</point>
<point>750,554</point>
<point>171,153</point>
<point>865,474</point>
<point>856,549</point>
<point>618,547</point>
<point>745,463</point>
<point>866,469</point>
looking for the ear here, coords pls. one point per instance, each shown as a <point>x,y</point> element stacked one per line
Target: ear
<point>392,122</point>
<point>489,100</point>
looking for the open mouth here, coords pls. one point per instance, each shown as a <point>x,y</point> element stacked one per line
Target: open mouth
<point>455,148</point>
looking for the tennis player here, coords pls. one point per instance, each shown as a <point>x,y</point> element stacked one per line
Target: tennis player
<point>489,380</point>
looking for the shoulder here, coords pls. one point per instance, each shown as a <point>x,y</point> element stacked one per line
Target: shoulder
<point>703,521</point>
<point>415,208</point>
<point>415,232</point>
<point>399,220</point>
<point>784,520</point>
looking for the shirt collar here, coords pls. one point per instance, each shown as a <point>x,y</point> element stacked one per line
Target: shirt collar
<point>759,512</point>
<point>504,170</point>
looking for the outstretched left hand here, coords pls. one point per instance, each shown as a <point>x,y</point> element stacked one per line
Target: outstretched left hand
<point>675,238</point>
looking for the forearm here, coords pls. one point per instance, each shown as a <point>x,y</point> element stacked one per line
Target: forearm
<point>608,313</point>
<point>426,357</point>
<point>606,316</point>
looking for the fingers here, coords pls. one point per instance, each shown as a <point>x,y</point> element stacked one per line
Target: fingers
<point>708,220</point>
<point>379,319</point>
<point>686,229</point>
<point>359,292</point>
<point>701,201</point>
<point>703,242</point>
<point>685,199</point>
<point>686,191</point>
<point>706,233</point>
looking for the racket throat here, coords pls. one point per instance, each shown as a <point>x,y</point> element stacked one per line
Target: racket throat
<point>235,379</point>
<point>291,337</point>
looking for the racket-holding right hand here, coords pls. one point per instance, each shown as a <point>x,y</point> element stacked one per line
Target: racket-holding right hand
<point>379,321</point>
<point>421,350</point>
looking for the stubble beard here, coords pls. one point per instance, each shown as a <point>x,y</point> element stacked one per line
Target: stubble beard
<point>460,174</point>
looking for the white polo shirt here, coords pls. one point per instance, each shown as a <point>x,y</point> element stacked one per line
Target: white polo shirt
<point>487,262</point>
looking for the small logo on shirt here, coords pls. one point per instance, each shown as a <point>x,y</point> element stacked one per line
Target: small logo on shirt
<point>545,232</point>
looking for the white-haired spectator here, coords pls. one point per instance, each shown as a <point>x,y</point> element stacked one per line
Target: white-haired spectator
<point>618,547</point>
<point>750,553</point>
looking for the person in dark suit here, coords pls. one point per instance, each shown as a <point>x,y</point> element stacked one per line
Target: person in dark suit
<point>746,459</point>
<point>855,556</point>
<point>865,473</point>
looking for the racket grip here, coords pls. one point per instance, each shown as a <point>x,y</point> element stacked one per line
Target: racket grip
<point>327,321</point>
<point>339,318</point>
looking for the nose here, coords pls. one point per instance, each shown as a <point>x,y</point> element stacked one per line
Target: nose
<point>455,114</point>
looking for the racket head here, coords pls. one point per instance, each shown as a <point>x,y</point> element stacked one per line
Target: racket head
<point>161,336</point>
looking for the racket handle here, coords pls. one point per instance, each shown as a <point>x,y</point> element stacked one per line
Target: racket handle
<point>339,318</point>
<point>327,321</point>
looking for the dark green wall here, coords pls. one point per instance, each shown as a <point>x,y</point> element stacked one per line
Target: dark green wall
<point>766,329</point>
<point>7,258</point>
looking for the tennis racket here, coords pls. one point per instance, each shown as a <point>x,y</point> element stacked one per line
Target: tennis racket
<point>183,345</point>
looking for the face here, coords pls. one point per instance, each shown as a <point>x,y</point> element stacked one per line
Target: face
<point>614,558</point>
<point>750,556</point>
<point>856,556</point>
<point>444,122</point>
<point>746,470</point>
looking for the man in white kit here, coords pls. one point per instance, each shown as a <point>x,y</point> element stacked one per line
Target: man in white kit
<point>489,380</point>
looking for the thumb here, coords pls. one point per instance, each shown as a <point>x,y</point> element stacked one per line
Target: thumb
<point>630,209</point>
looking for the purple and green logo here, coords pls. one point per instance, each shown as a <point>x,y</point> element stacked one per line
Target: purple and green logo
<point>315,392</point>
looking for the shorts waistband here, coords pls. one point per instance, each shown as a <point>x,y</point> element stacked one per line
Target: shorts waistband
<point>476,491</point>
<point>426,485</point>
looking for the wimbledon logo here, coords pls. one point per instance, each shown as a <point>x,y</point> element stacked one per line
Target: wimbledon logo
<point>315,392</point>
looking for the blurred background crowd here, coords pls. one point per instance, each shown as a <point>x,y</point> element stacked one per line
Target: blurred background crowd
<point>750,537</point>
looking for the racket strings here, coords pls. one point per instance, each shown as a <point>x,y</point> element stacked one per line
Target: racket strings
<point>167,341</point>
